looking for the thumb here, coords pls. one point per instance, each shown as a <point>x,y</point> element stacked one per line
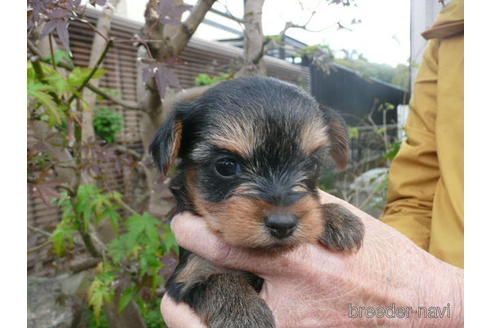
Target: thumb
<point>193,234</point>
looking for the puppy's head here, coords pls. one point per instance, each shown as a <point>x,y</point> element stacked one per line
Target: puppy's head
<point>251,150</point>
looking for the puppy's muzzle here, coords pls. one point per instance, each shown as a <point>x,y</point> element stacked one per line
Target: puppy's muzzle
<point>281,225</point>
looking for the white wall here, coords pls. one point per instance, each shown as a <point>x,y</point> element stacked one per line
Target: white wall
<point>422,17</point>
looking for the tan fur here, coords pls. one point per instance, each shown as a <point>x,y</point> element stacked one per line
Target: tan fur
<point>299,188</point>
<point>176,145</point>
<point>313,137</point>
<point>339,143</point>
<point>236,136</point>
<point>311,222</point>
<point>240,220</point>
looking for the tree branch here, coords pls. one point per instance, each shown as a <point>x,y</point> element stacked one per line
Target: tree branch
<point>41,231</point>
<point>227,14</point>
<point>93,71</point>
<point>188,27</point>
<point>128,208</point>
<point>41,132</point>
<point>84,265</point>
<point>127,151</point>
<point>89,245</point>
<point>112,98</point>
<point>52,52</point>
<point>38,247</point>
<point>289,25</point>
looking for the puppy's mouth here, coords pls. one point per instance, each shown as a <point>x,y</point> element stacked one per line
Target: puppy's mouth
<point>277,246</point>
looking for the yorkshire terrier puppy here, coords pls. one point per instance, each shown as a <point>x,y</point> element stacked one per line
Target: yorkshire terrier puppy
<point>249,155</point>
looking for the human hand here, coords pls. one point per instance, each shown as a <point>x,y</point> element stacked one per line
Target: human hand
<point>313,287</point>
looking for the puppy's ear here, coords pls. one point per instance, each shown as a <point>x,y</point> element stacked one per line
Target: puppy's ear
<point>339,138</point>
<point>167,142</point>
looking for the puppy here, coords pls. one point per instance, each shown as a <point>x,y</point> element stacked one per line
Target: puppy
<point>250,152</point>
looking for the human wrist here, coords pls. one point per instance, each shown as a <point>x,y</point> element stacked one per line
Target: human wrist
<point>426,290</point>
<point>397,273</point>
<point>441,297</point>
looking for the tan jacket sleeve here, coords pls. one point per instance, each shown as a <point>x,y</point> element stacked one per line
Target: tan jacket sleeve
<point>415,171</point>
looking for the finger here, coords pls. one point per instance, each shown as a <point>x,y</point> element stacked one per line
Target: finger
<point>193,234</point>
<point>179,315</point>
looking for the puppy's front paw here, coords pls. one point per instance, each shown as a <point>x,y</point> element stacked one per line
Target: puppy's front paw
<point>256,316</point>
<point>343,231</point>
<point>229,301</point>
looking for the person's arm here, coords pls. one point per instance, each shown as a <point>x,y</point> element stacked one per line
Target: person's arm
<point>313,287</point>
<point>414,172</point>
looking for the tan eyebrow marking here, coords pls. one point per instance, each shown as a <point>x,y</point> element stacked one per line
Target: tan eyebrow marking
<point>313,137</point>
<point>235,136</point>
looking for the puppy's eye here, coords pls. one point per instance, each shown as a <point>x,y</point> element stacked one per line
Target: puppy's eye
<point>227,167</point>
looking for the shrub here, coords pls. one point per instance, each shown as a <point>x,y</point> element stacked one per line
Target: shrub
<point>107,124</point>
<point>205,79</point>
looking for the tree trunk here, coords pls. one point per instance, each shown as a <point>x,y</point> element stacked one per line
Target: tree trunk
<point>172,41</point>
<point>99,44</point>
<point>253,63</point>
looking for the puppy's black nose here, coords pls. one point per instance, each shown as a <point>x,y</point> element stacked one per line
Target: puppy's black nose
<point>281,225</point>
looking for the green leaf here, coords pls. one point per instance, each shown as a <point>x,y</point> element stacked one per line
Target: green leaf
<point>62,55</point>
<point>392,151</point>
<point>86,217</point>
<point>115,218</point>
<point>126,298</point>
<point>169,240</point>
<point>353,133</point>
<point>37,90</point>
<point>100,293</point>
<point>381,130</point>
<point>96,298</point>
<point>59,83</point>
<point>118,248</point>
<point>62,236</point>
<point>151,227</point>
<point>205,79</point>
<point>78,75</point>
<point>144,225</point>
<point>113,92</point>
<point>34,86</point>
<point>388,106</point>
<point>99,73</point>
<point>31,74</point>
